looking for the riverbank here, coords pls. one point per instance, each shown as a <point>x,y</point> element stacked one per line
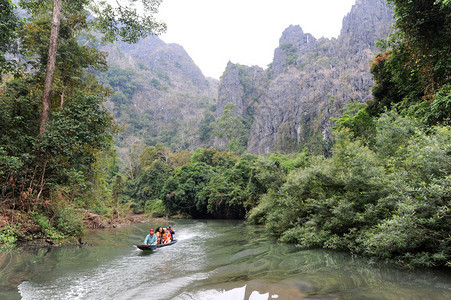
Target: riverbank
<point>18,227</point>
<point>94,221</point>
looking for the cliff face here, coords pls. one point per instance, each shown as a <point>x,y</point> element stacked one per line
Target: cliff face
<point>160,94</point>
<point>309,82</point>
<point>242,86</point>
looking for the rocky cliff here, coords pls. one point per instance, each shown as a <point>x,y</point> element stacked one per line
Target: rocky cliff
<point>309,81</point>
<point>160,95</point>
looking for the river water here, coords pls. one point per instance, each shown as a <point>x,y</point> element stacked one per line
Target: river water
<point>212,260</point>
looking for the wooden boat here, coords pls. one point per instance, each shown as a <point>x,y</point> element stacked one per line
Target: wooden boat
<point>154,247</point>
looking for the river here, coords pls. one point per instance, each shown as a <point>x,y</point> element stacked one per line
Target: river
<point>213,259</point>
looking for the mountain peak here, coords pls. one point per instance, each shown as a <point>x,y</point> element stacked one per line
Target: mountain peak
<point>295,35</point>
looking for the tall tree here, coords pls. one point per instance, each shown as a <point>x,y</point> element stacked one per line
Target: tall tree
<point>51,61</point>
<point>8,24</point>
<point>416,63</point>
<point>129,21</point>
<point>425,30</point>
<point>231,129</point>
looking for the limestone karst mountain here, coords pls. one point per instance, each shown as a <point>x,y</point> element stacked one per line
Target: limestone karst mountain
<point>310,81</point>
<point>162,96</point>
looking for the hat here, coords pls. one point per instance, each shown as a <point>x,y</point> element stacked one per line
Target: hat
<point>169,226</point>
<point>151,229</point>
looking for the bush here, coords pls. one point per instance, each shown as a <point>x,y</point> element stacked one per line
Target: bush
<point>8,235</point>
<point>392,203</point>
<point>155,207</point>
<point>68,221</point>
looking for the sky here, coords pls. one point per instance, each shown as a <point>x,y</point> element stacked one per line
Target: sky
<point>247,32</point>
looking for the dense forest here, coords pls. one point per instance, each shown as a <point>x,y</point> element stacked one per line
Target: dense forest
<point>383,190</point>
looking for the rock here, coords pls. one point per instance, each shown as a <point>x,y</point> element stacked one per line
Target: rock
<point>164,98</point>
<point>92,220</point>
<point>309,82</point>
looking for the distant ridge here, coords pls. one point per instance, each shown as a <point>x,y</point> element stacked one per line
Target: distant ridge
<point>310,80</point>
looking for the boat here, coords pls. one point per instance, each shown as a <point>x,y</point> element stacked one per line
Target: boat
<point>154,247</point>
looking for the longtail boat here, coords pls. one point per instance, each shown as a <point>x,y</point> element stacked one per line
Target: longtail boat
<point>154,247</point>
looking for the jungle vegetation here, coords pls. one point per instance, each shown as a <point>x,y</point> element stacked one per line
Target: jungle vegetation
<point>56,154</point>
<point>384,191</point>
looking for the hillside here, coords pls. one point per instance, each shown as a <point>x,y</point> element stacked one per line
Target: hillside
<point>309,81</point>
<point>160,95</point>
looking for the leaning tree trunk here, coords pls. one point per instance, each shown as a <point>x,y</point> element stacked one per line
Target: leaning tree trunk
<point>51,62</point>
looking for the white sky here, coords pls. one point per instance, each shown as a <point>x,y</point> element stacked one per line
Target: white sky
<point>244,31</point>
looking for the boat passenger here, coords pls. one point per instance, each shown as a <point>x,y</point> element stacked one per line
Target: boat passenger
<point>159,234</point>
<point>166,236</point>
<point>172,232</point>
<point>151,238</point>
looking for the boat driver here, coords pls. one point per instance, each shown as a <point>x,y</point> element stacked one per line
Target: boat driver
<point>151,238</point>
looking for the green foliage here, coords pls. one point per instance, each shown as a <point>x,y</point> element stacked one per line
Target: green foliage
<point>213,184</point>
<point>416,65</point>
<point>181,192</point>
<point>155,83</point>
<point>206,127</point>
<point>393,134</point>
<point>8,235</point>
<point>425,32</point>
<point>245,80</point>
<point>395,80</point>
<point>68,221</point>
<point>440,109</point>
<point>153,171</point>
<point>8,25</point>
<point>231,193</point>
<point>122,81</point>
<point>9,163</point>
<point>19,126</point>
<point>64,162</point>
<point>290,51</point>
<point>20,116</point>
<point>130,21</point>
<point>391,202</point>
<point>222,185</point>
<point>411,221</point>
<point>231,127</point>
<point>214,158</point>
<point>417,229</point>
<point>83,123</point>
<point>47,229</point>
<point>152,153</point>
<point>155,207</point>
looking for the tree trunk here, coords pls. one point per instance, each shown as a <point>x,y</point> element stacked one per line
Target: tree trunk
<point>62,99</point>
<point>51,62</point>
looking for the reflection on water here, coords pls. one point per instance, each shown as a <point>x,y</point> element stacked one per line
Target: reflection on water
<point>211,260</point>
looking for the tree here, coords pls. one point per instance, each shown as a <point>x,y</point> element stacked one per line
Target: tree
<point>8,24</point>
<point>414,68</point>
<point>424,27</point>
<point>51,61</point>
<point>357,119</point>
<point>231,128</point>
<point>181,192</point>
<point>123,21</point>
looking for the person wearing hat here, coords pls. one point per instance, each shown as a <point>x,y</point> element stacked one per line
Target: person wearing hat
<point>172,232</point>
<point>151,239</point>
